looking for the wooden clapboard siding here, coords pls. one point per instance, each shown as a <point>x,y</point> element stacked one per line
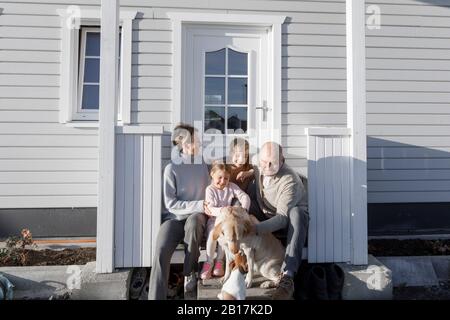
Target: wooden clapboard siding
<point>313,48</point>
<point>329,199</point>
<point>138,198</point>
<point>408,79</point>
<point>408,94</point>
<point>42,163</point>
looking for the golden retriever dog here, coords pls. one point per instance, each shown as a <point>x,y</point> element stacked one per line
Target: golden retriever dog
<point>265,253</point>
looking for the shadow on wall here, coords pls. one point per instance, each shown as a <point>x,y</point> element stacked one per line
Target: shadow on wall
<point>408,186</point>
<point>440,3</point>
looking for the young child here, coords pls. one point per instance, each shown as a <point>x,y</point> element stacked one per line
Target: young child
<point>219,194</point>
<point>234,288</point>
<point>241,170</point>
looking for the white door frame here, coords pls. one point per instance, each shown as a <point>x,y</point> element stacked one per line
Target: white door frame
<point>273,23</point>
<point>252,41</point>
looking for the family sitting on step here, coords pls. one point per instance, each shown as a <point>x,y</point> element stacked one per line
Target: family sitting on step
<point>257,200</point>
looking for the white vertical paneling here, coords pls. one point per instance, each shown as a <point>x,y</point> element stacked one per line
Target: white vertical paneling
<point>138,196</point>
<point>329,195</point>
<point>312,195</point>
<point>320,214</point>
<point>147,194</point>
<point>345,185</point>
<point>337,199</point>
<point>137,208</point>
<point>120,200</point>
<point>329,159</point>
<point>156,195</point>
<point>129,201</point>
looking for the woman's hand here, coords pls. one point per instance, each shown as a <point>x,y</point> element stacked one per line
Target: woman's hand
<point>206,208</point>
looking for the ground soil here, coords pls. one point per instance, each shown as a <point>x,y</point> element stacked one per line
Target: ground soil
<point>381,247</point>
<point>49,257</point>
<point>412,247</point>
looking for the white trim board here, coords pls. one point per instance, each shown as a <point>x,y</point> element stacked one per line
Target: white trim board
<point>154,129</point>
<point>109,70</point>
<point>327,131</point>
<point>273,23</point>
<point>218,18</point>
<point>356,121</point>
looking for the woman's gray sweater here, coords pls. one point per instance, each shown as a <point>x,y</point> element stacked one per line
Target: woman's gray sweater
<point>184,189</point>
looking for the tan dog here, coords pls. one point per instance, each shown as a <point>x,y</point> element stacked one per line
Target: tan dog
<point>265,253</point>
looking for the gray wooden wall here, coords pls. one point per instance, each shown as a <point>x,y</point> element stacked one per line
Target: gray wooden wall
<point>47,164</point>
<point>408,83</point>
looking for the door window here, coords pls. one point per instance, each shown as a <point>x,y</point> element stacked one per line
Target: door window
<point>226,92</point>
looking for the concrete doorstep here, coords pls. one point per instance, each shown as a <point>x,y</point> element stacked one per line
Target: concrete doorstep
<point>422,271</point>
<point>368,282</point>
<point>76,282</point>
<point>209,289</point>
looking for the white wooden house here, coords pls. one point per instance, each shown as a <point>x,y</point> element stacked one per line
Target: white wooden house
<point>356,91</point>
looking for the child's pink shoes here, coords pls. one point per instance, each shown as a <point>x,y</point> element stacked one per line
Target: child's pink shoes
<point>206,271</point>
<point>218,269</point>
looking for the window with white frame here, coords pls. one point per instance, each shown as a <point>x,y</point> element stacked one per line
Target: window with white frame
<point>89,74</point>
<point>89,70</point>
<point>80,68</point>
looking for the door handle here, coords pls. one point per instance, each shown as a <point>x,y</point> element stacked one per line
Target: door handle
<point>264,108</point>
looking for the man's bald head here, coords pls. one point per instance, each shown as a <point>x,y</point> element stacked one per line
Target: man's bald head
<point>270,158</point>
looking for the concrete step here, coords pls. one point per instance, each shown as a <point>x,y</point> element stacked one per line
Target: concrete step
<point>208,289</point>
<point>178,255</point>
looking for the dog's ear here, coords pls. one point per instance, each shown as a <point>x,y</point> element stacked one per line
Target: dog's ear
<point>241,261</point>
<point>232,264</point>
<point>217,231</point>
<point>243,269</point>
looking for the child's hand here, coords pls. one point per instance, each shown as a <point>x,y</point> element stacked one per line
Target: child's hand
<point>206,208</point>
<point>243,175</point>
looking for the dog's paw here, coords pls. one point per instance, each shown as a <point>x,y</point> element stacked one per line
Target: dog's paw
<point>269,284</point>
<point>248,283</point>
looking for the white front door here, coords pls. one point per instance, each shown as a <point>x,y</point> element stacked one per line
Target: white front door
<point>226,82</point>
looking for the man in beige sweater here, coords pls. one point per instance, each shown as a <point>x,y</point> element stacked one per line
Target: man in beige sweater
<point>281,204</point>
